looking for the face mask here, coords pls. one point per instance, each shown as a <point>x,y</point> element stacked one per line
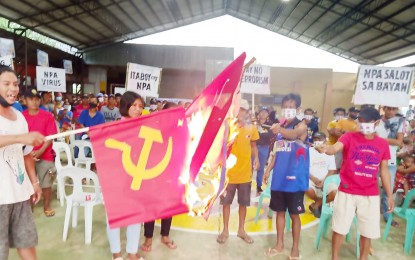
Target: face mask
<point>367,128</point>
<point>153,107</point>
<point>338,117</point>
<point>100,99</point>
<point>308,117</point>
<point>92,105</point>
<point>58,98</point>
<point>4,103</point>
<point>68,107</point>
<point>289,113</point>
<point>318,143</point>
<point>354,117</point>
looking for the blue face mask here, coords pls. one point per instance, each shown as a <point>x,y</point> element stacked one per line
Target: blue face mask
<point>58,98</point>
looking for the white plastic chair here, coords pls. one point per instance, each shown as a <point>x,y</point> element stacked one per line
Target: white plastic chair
<point>60,147</point>
<point>82,157</point>
<point>79,197</point>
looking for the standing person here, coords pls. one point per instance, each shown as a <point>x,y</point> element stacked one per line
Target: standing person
<point>131,106</point>
<point>410,127</point>
<point>290,176</point>
<point>410,113</point>
<point>65,117</point>
<point>91,116</point>
<point>364,156</point>
<point>240,175</point>
<point>263,144</point>
<point>312,125</point>
<point>101,103</point>
<point>46,102</point>
<point>117,99</point>
<point>19,186</point>
<point>348,124</point>
<point>165,223</point>
<point>338,113</point>
<point>391,128</point>
<point>43,122</point>
<point>110,111</point>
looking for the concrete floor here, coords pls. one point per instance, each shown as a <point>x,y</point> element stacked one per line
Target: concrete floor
<point>191,245</point>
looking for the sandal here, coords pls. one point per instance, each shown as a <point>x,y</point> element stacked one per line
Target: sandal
<point>295,257</point>
<point>222,239</point>
<point>170,244</point>
<point>247,239</point>
<point>273,252</point>
<point>49,212</point>
<point>146,248</point>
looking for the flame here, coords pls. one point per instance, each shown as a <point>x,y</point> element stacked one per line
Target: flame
<point>201,194</point>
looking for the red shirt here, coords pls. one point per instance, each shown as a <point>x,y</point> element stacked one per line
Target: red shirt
<point>77,112</point>
<point>361,163</point>
<point>44,123</point>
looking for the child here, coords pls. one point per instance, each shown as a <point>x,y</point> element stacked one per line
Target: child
<point>364,156</point>
<point>404,180</point>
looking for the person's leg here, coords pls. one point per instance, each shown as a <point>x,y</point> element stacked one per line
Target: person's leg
<point>336,242</point>
<point>226,202</point>
<point>384,199</point>
<point>331,196</point>
<point>263,151</point>
<point>114,241</point>
<point>364,247</point>
<point>133,240</point>
<point>278,204</point>
<point>280,222</point>
<point>295,204</point>
<point>5,213</point>
<point>244,201</point>
<point>27,253</point>
<point>148,234</point>
<point>296,229</point>
<point>45,181</point>
<point>76,149</point>
<point>165,231</point>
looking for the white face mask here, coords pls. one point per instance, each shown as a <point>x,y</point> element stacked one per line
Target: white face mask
<point>288,113</point>
<point>338,117</point>
<point>367,128</point>
<point>58,98</point>
<point>100,99</point>
<point>153,107</point>
<point>68,107</point>
<point>308,117</point>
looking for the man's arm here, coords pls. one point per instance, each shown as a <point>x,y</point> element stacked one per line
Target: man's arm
<point>385,178</point>
<point>298,132</point>
<point>268,170</point>
<point>398,141</point>
<point>31,172</point>
<point>32,138</point>
<point>38,153</point>
<point>254,150</point>
<point>330,149</point>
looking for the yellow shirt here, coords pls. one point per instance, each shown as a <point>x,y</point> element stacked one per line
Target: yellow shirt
<point>346,125</point>
<point>332,138</point>
<point>241,149</point>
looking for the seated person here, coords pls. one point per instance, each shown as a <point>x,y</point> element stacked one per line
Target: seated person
<point>321,166</point>
<point>405,180</point>
<point>406,149</point>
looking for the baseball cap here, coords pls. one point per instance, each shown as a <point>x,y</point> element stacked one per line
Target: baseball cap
<point>85,96</point>
<point>153,101</point>
<point>369,114</point>
<point>100,95</point>
<point>263,108</point>
<point>353,109</point>
<point>31,92</point>
<point>244,104</point>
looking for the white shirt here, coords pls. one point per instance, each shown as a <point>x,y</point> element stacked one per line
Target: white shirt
<point>321,164</point>
<point>15,185</point>
<point>381,131</point>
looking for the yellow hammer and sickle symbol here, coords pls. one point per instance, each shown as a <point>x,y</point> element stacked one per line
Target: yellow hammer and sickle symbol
<point>139,171</point>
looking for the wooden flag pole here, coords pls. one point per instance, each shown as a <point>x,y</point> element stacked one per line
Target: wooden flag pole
<point>67,133</point>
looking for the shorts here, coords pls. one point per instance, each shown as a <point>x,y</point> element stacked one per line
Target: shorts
<point>338,158</point>
<point>365,208</point>
<point>17,227</point>
<point>293,201</point>
<point>244,194</point>
<point>42,171</point>
<point>319,192</point>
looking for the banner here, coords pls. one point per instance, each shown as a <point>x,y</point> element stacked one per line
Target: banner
<point>384,86</point>
<point>7,47</point>
<point>50,79</point>
<point>143,80</point>
<point>42,58</point>
<point>67,66</point>
<point>7,60</point>
<point>139,164</point>
<point>256,79</point>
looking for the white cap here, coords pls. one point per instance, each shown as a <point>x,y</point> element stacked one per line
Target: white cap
<point>244,104</point>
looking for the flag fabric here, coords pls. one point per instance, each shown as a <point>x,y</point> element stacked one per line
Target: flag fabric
<point>139,162</point>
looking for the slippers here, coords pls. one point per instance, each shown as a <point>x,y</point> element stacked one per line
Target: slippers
<point>394,224</point>
<point>222,239</point>
<point>146,248</point>
<point>247,239</point>
<point>273,252</point>
<point>170,244</point>
<point>295,257</point>
<point>49,212</point>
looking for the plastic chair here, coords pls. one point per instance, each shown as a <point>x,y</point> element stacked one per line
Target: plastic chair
<point>60,147</point>
<point>267,194</point>
<point>409,215</point>
<point>80,198</point>
<point>83,146</point>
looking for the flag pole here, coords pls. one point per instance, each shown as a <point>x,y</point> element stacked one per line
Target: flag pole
<point>67,133</point>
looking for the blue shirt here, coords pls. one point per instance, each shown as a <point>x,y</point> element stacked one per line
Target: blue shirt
<point>88,121</point>
<point>17,106</point>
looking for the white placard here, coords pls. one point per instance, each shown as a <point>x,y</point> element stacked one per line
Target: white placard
<point>144,80</point>
<point>50,79</point>
<point>67,66</point>
<point>119,90</point>
<point>384,86</point>
<point>7,60</point>
<point>256,80</point>
<point>7,47</point>
<point>42,58</point>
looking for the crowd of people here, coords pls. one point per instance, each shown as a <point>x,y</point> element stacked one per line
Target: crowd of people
<point>287,150</point>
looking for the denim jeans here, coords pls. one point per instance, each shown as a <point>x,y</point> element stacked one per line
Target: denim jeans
<point>384,197</point>
<point>263,152</point>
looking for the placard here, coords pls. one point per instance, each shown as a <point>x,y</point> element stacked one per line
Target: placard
<point>50,79</point>
<point>67,66</point>
<point>384,86</point>
<point>7,47</point>
<point>144,80</point>
<point>42,58</point>
<point>7,60</point>
<point>256,80</point>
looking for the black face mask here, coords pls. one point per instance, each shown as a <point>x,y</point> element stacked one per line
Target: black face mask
<point>4,103</point>
<point>354,117</point>
<point>92,105</point>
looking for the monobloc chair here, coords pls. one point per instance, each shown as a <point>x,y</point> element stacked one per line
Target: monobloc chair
<point>83,159</point>
<point>407,214</point>
<point>59,148</point>
<point>82,198</point>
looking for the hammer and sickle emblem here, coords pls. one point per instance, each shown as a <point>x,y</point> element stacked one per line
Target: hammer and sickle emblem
<point>139,171</point>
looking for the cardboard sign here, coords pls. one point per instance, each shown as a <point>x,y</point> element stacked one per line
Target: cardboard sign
<point>7,60</point>
<point>42,58</point>
<point>144,80</point>
<point>67,66</point>
<point>256,79</point>
<point>384,86</point>
<point>7,47</point>
<point>50,79</point>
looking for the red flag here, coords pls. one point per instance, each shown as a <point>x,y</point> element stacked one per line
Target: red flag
<point>139,162</point>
